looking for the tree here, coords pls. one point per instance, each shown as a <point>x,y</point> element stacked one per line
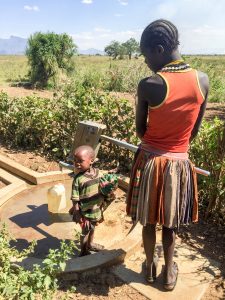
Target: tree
<point>131,46</point>
<point>48,54</point>
<point>113,49</point>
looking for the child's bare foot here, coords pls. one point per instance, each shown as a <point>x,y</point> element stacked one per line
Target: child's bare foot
<point>95,247</point>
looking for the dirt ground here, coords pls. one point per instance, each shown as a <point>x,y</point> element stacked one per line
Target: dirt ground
<point>209,238</point>
<point>215,110</point>
<point>102,286</point>
<point>29,159</point>
<point>22,92</point>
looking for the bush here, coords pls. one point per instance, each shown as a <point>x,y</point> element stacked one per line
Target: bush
<point>208,152</point>
<point>49,124</point>
<point>48,54</point>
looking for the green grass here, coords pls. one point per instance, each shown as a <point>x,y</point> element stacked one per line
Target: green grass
<point>118,75</point>
<point>214,66</point>
<point>13,68</point>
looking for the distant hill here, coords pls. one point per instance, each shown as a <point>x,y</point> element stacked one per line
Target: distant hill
<point>13,45</point>
<point>16,46</point>
<point>91,51</point>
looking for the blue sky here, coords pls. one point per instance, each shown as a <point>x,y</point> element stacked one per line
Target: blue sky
<point>95,23</point>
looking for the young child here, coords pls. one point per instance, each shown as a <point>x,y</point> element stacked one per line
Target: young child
<point>89,191</point>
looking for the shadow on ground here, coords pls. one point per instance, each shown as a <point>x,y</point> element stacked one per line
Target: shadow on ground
<point>32,219</point>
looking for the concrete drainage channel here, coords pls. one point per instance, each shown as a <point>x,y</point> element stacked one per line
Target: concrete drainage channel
<point>23,205</point>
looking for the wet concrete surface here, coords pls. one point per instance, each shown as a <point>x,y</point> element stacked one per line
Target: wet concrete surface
<point>28,219</point>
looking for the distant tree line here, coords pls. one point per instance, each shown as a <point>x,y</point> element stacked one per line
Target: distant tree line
<point>118,50</point>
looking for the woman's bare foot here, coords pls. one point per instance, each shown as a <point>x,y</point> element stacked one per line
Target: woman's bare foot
<point>170,277</point>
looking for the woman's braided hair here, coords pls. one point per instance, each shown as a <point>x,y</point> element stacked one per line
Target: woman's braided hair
<point>160,32</point>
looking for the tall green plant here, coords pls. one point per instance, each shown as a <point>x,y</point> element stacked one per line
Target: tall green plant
<point>48,54</point>
<point>208,152</point>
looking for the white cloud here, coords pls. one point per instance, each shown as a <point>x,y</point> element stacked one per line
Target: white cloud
<point>87,1</point>
<point>34,7</point>
<point>83,36</point>
<point>123,2</point>
<point>126,33</point>
<point>100,29</point>
<point>199,32</point>
<point>102,37</point>
<point>167,9</point>
<point>202,39</point>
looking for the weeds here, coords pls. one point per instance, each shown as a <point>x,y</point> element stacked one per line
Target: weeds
<point>39,283</point>
<point>208,152</point>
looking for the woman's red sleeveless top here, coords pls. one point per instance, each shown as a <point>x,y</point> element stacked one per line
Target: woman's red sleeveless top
<point>170,124</point>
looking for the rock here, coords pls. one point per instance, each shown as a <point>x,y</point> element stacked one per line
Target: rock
<point>34,166</point>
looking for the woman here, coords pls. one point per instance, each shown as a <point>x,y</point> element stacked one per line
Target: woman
<point>169,111</point>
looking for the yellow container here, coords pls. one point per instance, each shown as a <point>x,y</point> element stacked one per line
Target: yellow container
<point>56,198</point>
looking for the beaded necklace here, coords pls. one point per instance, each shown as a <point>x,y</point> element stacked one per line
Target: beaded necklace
<point>176,66</point>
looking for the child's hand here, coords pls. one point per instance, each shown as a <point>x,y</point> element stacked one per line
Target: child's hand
<point>77,216</point>
<point>75,212</point>
<point>71,210</point>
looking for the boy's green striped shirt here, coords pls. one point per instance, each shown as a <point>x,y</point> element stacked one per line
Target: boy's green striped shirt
<point>85,189</point>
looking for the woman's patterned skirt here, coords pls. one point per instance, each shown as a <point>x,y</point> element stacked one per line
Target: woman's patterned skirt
<point>162,190</point>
